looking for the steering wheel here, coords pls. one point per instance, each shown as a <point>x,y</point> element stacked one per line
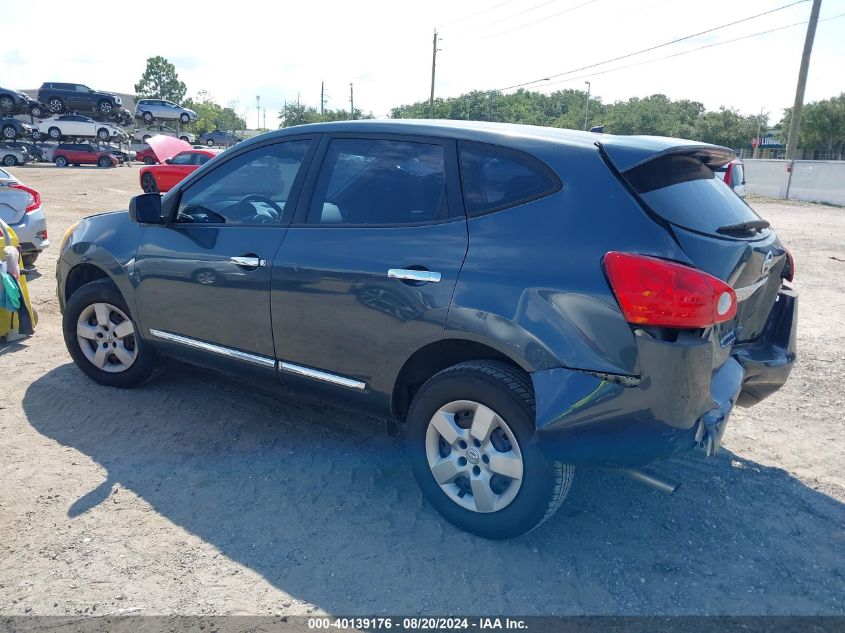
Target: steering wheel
<point>259,198</point>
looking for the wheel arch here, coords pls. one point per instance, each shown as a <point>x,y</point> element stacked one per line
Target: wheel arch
<point>435,357</point>
<point>81,274</point>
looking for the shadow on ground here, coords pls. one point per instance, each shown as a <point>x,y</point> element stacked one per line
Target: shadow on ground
<point>320,503</point>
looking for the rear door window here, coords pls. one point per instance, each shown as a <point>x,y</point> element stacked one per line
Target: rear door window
<point>380,182</point>
<point>496,178</point>
<point>684,191</point>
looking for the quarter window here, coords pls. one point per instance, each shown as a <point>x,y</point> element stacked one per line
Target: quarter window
<point>496,178</point>
<point>369,181</point>
<point>252,188</point>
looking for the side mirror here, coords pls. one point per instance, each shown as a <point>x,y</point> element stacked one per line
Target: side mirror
<point>146,209</point>
<point>168,160</point>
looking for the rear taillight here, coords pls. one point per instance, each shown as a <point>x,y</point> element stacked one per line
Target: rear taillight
<point>33,200</point>
<point>789,271</point>
<point>652,291</point>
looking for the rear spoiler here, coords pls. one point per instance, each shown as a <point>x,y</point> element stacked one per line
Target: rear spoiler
<point>632,151</point>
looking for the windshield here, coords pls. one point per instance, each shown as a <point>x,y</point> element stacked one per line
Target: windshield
<point>684,191</point>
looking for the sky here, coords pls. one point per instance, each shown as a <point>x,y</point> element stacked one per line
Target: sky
<point>283,50</point>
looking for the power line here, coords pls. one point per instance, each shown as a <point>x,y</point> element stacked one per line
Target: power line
<point>543,19</point>
<point>517,14</point>
<point>692,50</point>
<point>652,48</point>
<point>477,13</point>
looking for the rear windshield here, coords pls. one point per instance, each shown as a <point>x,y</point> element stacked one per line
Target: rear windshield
<point>686,192</point>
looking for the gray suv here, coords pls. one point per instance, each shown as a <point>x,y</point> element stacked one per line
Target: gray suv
<point>151,109</point>
<point>520,300</point>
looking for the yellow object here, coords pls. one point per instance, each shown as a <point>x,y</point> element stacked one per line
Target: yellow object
<point>69,230</point>
<point>9,321</point>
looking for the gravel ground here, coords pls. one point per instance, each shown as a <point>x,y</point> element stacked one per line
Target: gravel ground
<point>197,495</point>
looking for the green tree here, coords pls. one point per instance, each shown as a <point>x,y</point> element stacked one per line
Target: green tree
<point>822,125</point>
<point>160,81</point>
<point>300,114</point>
<point>211,115</point>
<point>726,127</point>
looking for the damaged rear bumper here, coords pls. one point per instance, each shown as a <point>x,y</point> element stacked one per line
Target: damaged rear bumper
<point>677,403</point>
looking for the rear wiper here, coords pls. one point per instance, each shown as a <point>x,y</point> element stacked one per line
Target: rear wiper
<point>743,227</point>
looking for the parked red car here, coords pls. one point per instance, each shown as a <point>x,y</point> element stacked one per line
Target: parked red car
<point>82,154</point>
<point>733,174</point>
<point>147,156</point>
<point>162,178</point>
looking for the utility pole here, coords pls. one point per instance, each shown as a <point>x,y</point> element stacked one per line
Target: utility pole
<point>587,105</point>
<point>322,97</point>
<point>433,67</point>
<point>351,102</point>
<point>490,106</point>
<point>257,111</point>
<point>264,113</point>
<point>795,123</point>
<point>758,147</point>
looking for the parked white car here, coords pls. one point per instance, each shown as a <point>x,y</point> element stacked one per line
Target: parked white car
<point>149,109</point>
<point>76,126</point>
<point>141,135</point>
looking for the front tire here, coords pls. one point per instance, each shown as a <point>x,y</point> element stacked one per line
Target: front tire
<point>148,160</point>
<point>55,105</point>
<point>10,160</point>
<point>55,133</point>
<point>37,112</point>
<point>148,183</point>
<point>104,162</point>
<point>210,142</point>
<point>103,134</point>
<point>9,132</point>
<point>184,119</point>
<point>470,438</point>
<point>102,339</point>
<point>148,117</point>
<point>105,107</point>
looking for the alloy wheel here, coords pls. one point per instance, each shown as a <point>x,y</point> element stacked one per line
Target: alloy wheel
<point>473,456</point>
<point>6,104</point>
<point>55,105</point>
<point>148,184</point>
<point>106,336</point>
<point>9,132</point>
<point>9,160</point>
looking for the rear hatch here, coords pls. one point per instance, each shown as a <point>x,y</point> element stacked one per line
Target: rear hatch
<point>717,230</point>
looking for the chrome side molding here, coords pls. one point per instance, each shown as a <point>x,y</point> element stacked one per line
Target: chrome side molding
<point>316,374</point>
<point>255,359</point>
<point>260,361</point>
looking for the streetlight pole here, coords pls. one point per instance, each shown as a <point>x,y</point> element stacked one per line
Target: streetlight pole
<point>587,105</point>
<point>257,111</point>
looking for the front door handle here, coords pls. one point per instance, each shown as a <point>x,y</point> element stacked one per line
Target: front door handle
<point>407,274</point>
<point>248,261</point>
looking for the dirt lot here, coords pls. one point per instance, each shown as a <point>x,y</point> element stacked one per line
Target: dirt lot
<point>196,495</point>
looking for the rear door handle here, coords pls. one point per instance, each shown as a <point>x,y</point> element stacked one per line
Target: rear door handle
<point>407,274</point>
<point>248,262</point>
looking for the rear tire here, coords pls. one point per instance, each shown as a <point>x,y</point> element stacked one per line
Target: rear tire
<point>210,143</point>
<point>9,132</point>
<point>148,117</point>
<point>477,496</point>
<point>7,104</point>
<point>114,354</point>
<point>55,133</point>
<point>55,105</point>
<point>184,119</point>
<point>37,112</point>
<point>29,259</point>
<point>103,134</point>
<point>105,106</point>
<point>60,161</point>
<point>148,160</point>
<point>104,162</point>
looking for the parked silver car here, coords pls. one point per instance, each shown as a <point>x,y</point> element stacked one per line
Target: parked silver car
<point>20,208</point>
<point>149,109</point>
<point>11,155</point>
